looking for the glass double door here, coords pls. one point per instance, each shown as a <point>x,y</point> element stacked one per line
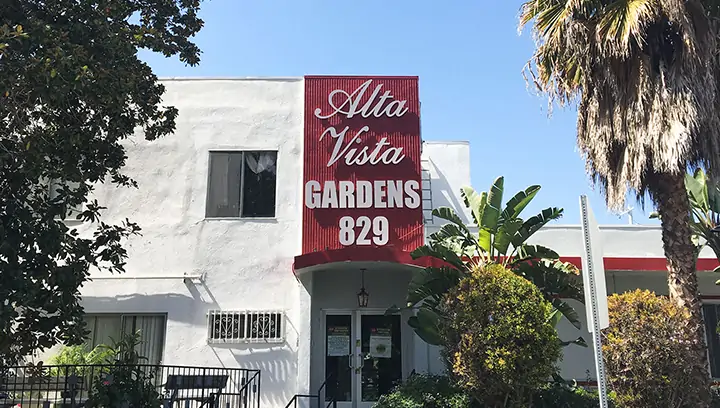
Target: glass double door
<point>363,357</point>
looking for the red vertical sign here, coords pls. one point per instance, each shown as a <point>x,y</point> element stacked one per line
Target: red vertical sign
<point>362,174</point>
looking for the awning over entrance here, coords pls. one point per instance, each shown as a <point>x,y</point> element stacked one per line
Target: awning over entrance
<point>306,262</point>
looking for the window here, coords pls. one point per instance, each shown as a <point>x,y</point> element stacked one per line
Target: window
<point>242,184</point>
<point>711,312</point>
<point>104,328</point>
<point>54,188</point>
<point>245,327</point>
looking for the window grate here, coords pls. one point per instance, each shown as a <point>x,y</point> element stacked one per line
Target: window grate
<point>245,326</point>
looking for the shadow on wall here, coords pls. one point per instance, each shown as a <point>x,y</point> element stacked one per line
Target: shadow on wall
<point>180,307</point>
<point>449,198</point>
<point>277,365</point>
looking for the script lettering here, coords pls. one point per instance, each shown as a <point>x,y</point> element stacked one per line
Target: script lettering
<point>375,105</point>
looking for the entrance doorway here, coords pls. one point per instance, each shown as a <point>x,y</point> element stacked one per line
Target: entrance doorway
<point>363,356</point>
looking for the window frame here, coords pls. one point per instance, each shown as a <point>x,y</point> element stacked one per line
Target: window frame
<point>246,339</point>
<point>712,301</point>
<point>123,315</point>
<point>53,184</point>
<point>242,182</point>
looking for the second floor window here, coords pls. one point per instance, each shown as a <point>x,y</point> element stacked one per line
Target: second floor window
<point>242,184</point>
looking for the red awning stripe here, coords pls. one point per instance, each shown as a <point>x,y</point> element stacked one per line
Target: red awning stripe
<point>387,254</point>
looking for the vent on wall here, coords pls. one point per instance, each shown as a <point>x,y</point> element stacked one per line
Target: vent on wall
<point>246,326</point>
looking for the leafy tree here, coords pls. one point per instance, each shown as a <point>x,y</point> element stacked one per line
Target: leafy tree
<point>645,77</point>
<point>502,239</point>
<point>71,90</point>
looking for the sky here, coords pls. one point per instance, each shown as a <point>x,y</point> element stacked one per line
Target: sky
<point>468,55</point>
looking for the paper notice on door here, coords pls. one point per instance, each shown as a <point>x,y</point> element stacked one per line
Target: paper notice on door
<point>338,341</point>
<point>380,343</point>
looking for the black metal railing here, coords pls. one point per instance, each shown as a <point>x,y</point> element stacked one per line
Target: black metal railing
<point>329,400</point>
<point>71,386</point>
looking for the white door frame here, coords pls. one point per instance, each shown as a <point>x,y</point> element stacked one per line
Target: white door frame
<point>356,350</point>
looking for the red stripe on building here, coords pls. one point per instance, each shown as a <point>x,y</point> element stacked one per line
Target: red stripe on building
<point>392,255</point>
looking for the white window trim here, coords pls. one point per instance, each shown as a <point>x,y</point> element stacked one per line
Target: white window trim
<point>245,340</point>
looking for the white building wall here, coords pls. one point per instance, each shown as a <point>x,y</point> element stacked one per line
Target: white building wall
<point>247,263</point>
<point>243,264</point>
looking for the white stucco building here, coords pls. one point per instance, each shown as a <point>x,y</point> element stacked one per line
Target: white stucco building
<point>221,275</point>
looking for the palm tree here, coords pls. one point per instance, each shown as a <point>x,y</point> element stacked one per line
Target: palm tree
<point>703,191</point>
<point>644,74</point>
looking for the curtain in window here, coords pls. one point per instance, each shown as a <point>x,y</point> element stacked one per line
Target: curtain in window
<point>259,184</point>
<point>152,333</point>
<point>103,330</point>
<point>261,161</point>
<point>224,184</point>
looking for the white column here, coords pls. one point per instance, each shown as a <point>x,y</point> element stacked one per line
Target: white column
<point>304,332</point>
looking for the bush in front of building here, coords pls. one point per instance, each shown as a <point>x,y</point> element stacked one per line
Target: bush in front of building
<point>647,351</point>
<point>433,391</point>
<point>500,346</point>
<point>560,395</point>
<point>126,382</point>
<point>426,391</point>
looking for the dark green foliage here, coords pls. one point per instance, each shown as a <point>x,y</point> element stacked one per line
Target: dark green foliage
<point>71,90</point>
<point>428,391</point>
<point>558,395</point>
<point>500,346</point>
<point>128,383</point>
<point>425,391</point>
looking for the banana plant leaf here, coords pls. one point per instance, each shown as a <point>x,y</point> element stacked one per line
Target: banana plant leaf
<point>502,238</point>
<point>431,283</point>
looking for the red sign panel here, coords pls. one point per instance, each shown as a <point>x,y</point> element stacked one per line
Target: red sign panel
<point>362,177</point>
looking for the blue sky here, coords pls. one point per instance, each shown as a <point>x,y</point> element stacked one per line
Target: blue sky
<point>468,55</point>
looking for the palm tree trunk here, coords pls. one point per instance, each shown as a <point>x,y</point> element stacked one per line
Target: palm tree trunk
<point>674,208</point>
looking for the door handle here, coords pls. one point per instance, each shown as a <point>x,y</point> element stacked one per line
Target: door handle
<point>350,361</point>
<point>363,359</point>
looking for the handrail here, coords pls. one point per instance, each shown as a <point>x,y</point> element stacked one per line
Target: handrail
<point>295,397</point>
<point>248,394</point>
<point>324,384</point>
<point>294,400</point>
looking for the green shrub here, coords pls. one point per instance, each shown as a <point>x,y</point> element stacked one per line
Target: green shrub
<point>647,350</point>
<point>425,391</point>
<point>126,383</point>
<point>500,347</point>
<point>557,395</point>
<point>72,356</point>
<point>428,391</point>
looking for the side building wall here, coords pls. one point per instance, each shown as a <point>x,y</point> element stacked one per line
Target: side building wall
<point>236,264</point>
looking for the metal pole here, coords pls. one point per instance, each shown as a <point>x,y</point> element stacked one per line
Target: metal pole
<point>597,339</point>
